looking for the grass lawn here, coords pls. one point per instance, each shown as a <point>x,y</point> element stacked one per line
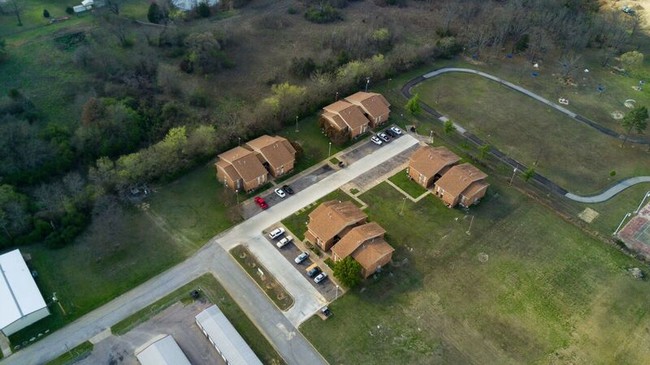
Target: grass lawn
<point>267,283</point>
<point>73,354</point>
<point>296,222</point>
<point>115,254</point>
<point>523,287</point>
<point>612,211</point>
<point>412,188</point>
<point>216,294</point>
<point>576,157</point>
<point>196,205</point>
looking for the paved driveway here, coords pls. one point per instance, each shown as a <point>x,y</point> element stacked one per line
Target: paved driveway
<point>278,327</point>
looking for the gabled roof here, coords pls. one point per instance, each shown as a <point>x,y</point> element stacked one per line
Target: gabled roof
<point>225,337</point>
<point>277,151</point>
<point>369,253</point>
<point>19,295</point>
<point>331,217</point>
<point>356,237</point>
<point>335,119</point>
<point>247,166</point>
<point>162,351</point>
<point>459,178</point>
<point>429,161</point>
<point>372,103</point>
<point>351,114</point>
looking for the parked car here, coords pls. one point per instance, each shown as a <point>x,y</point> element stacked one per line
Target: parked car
<point>390,133</point>
<point>313,270</point>
<point>376,140</point>
<point>384,137</point>
<point>261,202</point>
<point>302,257</point>
<point>287,189</point>
<point>326,311</point>
<point>276,233</point>
<point>318,279</point>
<point>283,242</point>
<point>279,192</point>
<point>396,130</point>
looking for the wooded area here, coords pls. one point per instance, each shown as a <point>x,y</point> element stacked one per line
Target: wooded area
<point>157,100</point>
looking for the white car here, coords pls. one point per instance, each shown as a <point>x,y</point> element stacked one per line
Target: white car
<point>283,242</point>
<point>396,130</point>
<point>302,257</point>
<point>322,276</point>
<point>276,233</point>
<point>280,193</point>
<point>384,137</point>
<point>376,140</point>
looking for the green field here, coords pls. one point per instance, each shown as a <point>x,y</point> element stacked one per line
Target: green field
<point>571,154</point>
<point>114,255</point>
<point>522,287</point>
<point>402,180</point>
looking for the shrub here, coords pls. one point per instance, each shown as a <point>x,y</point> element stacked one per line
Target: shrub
<point>302,66</point>
<point>321,15</point>
<point>203,10</point>
<point>69,10</point>
<point>46,14</point>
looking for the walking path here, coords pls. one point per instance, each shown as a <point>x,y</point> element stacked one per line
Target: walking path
<point>516,165</point>
<point>278,327</point>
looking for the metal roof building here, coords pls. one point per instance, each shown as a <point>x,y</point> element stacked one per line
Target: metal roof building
<point>21,303</point>
<point>162,350</point>
<point>225,338</point>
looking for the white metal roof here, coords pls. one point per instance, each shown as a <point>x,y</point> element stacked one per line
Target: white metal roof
<point>226,338</point>
<point>188,5</point>
<point>19,295</point>
<point>164,351</point>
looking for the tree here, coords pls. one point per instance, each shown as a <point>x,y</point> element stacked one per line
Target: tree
<point>155,14</point>
<point>17,9</point>
<point>483,151</point>
<point>203,9</point>
<point>636,119</point>
<point>3,50</point>
<point>528,174</point>
<point>630,60</point>
<point>14,214</point>
<point>413,105</point>
<point>449,127</point>
<point>46,14</point>
<point>348,272</point>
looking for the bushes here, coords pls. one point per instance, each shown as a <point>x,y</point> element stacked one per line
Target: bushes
<point>323,14</point>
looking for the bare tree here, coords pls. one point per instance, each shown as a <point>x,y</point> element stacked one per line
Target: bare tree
<point>569,63</point>
<point>16,8</point>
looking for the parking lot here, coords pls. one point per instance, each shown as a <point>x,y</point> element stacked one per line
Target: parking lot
<point>177,320</point>
<point>290,251</point>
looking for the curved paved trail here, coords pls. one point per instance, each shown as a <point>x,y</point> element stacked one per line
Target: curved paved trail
<point>606,195</point>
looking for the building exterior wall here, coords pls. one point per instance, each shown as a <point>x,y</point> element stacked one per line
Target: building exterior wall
<point>26,321</point>
<point>472,199</point>
<point>378,119</point>
<point>255,183</point>
<point>448,199</point>
<point>282,169</point>
<point>222,176</point>
<point>358,131</point>
<point>419,178</point>
<point>383,261</point>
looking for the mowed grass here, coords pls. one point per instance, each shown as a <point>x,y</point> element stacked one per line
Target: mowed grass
<point>196,205</point>
<point>108,259</point>
<point>571,154</point>
<point>522,287</point>
<point>402,180</point>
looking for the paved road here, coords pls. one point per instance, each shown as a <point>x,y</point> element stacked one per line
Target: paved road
<point>540,179</point>
<point>609,193</point>
<point>279,328</point>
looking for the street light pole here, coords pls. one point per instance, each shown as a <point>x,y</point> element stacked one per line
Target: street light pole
<point>646,196</point>
<point>513,176</point>
<point>620,224</point>
<point>296,124</point>
<point>401,211</point>
<point>329,150</point>
<point>239,141</point>
<point>337,292</point>
<point>367,83</point>
<point>431,136</point>
<point>470,226</point>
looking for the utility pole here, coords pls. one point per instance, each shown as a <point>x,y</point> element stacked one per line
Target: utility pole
<point>513,176</point>
<point>470,226</point>
<point>401,211</point>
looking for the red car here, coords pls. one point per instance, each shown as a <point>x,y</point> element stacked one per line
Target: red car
<point>261,202</point>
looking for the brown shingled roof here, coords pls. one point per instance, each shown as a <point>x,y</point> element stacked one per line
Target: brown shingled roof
<point>229,170</point>
<point>459,178</point>
<point>244,162</point>
<point>351,114</point>
<point>429,160</point>
<point>277,151</point>
<point>374,104</point>
<point>331,217</point>
<point>369,253</point>
<point>357,236</point>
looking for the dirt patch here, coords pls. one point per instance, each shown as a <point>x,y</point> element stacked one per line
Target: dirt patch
<point>588,215</point>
